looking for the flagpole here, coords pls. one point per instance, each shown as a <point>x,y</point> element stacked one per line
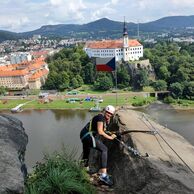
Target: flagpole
<point>116,82</point>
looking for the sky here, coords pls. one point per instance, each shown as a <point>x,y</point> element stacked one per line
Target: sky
<point>27,15</point>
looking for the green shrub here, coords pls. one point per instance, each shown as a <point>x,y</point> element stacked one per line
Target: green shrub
<point>141,101</point>
<point>169,100</point>
<point>148,89</point>
<point>58,174</point>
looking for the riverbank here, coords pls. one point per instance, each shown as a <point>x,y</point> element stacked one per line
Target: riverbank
<point>127,100</point>
<point>78,103</point>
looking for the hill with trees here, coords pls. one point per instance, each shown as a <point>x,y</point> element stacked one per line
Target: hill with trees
<point>104,28</point>
<point>71,68</point>
<point>173,65</point>
<point>6,35</point>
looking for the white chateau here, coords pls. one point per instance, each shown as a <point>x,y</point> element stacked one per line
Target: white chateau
<point>126,49</point>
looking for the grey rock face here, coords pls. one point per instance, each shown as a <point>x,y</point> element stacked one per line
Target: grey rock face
<point>162,172</point>
<point>13,141</point>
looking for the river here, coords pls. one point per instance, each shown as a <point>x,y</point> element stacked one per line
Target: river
<point>49,130</point>
<point>181,121</point>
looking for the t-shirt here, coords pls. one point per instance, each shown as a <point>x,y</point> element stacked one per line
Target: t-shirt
<point>95,120</point>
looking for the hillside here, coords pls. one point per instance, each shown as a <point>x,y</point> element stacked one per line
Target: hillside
<point>108,28</point>
<point>104,28</point>
<point>6,35</point>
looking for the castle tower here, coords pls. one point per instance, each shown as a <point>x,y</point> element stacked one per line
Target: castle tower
<point>125,43</point>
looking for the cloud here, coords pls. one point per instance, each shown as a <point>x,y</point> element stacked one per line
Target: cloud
<point>13,22</point>
<point>106,10</point>
<point>26,15</point>
<point>183,3</point>
<point>38,13</point>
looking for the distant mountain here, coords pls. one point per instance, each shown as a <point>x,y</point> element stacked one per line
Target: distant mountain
<point>104,28</point>
<point>6,35</point>
<point>100,28</point>
<point>169,23</point>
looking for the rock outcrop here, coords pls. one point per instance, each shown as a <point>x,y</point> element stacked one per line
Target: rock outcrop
<point>13,141</point>
<point>169,167</point>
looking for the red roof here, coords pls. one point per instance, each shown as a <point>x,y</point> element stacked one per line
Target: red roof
<point>38,74</point>
<point>110,44</point>
<point>13,73</point>
<point>21,69</point>
<point>40,53</point>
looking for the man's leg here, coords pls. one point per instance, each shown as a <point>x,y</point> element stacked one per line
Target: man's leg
<point>86,152</point>
<point>104,177</point>
<point>104,155</point>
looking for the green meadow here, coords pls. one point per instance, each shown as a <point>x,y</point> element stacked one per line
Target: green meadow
<point>80,104</point>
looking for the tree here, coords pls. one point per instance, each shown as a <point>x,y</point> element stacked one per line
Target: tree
<point>75,56</point>
<point>3,90</point>
<point>176,89</point>
<point>182,75</point>
<point>140,79</point>
<point>51,82</point>
<point>189,90</point>
<point>65,81</point>
<point>160,85</point>
<point>163,74</point>
<point>123,77</point>
<point>103,83</point>
<point>74,83</point>
<point>88,73</point>
<point>80,80</point>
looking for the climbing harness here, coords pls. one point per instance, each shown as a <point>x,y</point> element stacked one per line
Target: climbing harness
<point>152,128</point>
<point>90,133</point>
<point>89,126</point>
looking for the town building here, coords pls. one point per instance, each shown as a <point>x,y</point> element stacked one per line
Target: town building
<point>123,49</point>
<point>26,75</point>
<point>36,36</point>
<point>16,58</point>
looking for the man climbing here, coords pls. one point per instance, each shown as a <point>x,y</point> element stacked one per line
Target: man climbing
<point>90,137</point>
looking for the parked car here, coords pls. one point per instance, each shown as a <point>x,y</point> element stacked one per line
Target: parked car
<point>73,92</point>
<point>72,100</point>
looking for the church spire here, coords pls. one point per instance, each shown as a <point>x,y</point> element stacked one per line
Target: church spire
<point>125,43</point>
<point>125,35</point>
<point>124,28</point>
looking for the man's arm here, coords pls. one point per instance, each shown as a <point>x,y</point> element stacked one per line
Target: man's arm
<point>101,131</point>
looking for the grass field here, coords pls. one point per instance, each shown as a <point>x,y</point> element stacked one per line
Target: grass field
<point>62,104</point>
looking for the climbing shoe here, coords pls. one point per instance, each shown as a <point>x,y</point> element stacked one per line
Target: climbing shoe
<point>107,180</point>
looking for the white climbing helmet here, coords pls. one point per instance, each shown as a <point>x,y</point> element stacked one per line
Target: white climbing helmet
<point>110,109</point>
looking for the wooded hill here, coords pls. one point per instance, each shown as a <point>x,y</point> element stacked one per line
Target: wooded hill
<point>104,28</point>
<point>173,65</point>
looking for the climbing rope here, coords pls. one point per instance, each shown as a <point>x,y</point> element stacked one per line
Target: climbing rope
<point>132,150</point>
<point>133,131</point>
<point>152,128</point>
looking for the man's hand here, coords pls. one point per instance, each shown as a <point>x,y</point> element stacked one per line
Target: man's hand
<point>113,136</point>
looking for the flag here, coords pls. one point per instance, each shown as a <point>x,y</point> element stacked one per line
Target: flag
<point>105,64</point>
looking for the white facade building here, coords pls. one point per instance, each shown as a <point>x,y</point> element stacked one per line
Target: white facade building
<point>126,49</point>
<point>16,58</point>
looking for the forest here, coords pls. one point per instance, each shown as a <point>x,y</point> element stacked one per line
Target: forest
<point>173,65</point>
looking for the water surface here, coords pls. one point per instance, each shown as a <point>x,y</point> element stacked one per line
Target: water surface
<point>48,130</point>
